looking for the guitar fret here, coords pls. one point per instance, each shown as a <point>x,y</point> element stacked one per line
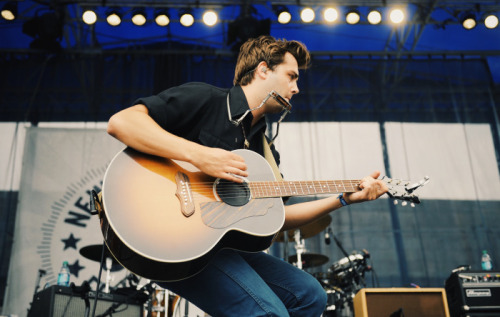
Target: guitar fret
<point>300,188</point>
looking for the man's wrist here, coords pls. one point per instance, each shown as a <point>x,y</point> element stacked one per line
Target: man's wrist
<point>343,202</point>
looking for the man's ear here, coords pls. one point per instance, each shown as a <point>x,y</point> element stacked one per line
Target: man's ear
<point>262,69</point>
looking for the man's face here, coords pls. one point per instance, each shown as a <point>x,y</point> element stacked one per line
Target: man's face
<point>283,79</point>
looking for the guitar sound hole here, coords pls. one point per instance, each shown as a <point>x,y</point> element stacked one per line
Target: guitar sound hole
<point>234,194</point>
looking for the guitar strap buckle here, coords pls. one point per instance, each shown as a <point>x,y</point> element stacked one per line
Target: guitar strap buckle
<point>95,202</point>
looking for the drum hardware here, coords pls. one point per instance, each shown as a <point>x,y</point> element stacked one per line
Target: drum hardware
<point>93,253</point>
<point>307,231</point>
<point>343,280</point>
<point>348,273</point>
<point>101,254</point>
<point>300,248</point>
<point>302,259</point>
<point>109,277</point>
<point>161,302</point>
<point>184,308</point>
<point>159,297</point>
<point>308,260</point>
<point>357,271</point>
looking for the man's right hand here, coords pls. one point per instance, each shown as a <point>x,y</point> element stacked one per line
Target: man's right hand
<point>220,163</point>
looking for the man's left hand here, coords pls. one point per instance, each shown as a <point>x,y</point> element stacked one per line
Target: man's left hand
<point>371,189</point>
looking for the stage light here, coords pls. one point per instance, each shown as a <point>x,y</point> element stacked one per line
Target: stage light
<point>187,18</point>
<point>397,16</point>
<point>468,20</point>
<point>139,16</point>
<point>307,15</point>
<point>46,31</point>
<point>284,17</point>
<point>113,17</point>
<point>374,16</point>
<point>89,17</point>
<point>283,14</point>
<point>9,11</point>
<point>210,18</point>
<point>161,17</point>
<point>491,21</point>
<point>352,16</point>
<point>330,15</point>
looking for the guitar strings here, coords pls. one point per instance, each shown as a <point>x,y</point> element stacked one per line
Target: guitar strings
<point>273,189</point>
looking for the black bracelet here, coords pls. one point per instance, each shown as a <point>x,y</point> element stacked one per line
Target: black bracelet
<point>342,200</point>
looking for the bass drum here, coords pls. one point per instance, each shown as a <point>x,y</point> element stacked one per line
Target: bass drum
<point>183,308</point>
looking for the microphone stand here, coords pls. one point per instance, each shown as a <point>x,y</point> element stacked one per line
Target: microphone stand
<point>41,273</point>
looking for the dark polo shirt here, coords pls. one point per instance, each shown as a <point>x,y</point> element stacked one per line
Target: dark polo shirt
<point>198,112</point>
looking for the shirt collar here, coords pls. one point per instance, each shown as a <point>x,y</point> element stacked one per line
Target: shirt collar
<point>239,105</point>
<point>238,102</point>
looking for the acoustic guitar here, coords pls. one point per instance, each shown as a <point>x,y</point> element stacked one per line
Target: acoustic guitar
<point>164,219</point>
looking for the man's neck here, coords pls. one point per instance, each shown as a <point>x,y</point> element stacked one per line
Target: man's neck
<point>254,100</point>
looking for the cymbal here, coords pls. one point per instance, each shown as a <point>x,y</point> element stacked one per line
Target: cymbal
<point>94,252</point>
<point>307,231</point>
<point>309,259</point>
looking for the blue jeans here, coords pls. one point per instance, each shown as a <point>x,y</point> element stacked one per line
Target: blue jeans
<point>237,283</point>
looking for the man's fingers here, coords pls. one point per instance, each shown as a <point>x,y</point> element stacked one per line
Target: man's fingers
<point>233,178</point>
<point>236,157</point>
<point>375,174</point>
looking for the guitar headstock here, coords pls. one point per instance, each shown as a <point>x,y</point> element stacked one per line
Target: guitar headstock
<point>404,190</point>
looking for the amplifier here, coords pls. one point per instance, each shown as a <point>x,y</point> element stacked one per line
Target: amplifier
<point>473,293</point>
<point>408,302</point>
<point>61,301</point>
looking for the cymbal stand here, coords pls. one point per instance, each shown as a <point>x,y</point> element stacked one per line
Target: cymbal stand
<point>300,248</point>
<point>109,278</point>
<point>285,245</point>
<point>150,290</point>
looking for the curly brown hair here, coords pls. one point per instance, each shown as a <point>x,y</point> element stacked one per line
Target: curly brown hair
<point>270,50</point>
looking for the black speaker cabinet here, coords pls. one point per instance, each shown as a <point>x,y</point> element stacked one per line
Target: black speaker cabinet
<point>397,302</point>
<point>60,301</point>
<point>473,293</point>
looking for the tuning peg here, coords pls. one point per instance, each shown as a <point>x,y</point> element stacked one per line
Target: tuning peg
<point>412,205</point>
<point>425,180</point>
<point>395,202</point>
<point>404,203</point>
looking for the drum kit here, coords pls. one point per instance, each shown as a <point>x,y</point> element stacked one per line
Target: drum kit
<point>341,281</point>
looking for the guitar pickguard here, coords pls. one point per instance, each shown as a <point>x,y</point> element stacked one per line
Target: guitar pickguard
<point>219,215</point>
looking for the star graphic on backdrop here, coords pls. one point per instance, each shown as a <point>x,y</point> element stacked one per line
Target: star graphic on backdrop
<point>70,242</point>
<point>75,268</point>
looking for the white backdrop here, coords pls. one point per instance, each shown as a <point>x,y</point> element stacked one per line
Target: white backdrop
<point>60,167</point>
<point>459,158</point>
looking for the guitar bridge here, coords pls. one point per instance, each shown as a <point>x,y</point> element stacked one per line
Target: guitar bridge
<point>184,195</point>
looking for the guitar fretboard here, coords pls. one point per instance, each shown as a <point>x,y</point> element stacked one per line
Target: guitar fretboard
<point>301,188</point>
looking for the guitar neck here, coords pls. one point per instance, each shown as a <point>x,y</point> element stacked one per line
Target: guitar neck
<point>301,188</point>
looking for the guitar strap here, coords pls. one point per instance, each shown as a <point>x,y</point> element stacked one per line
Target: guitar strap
<point>268,155</point>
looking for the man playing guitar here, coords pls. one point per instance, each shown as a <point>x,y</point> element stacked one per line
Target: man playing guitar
<point>202,125</point>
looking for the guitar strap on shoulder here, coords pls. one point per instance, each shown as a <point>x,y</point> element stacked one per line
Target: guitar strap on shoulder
<point>268,155</point>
